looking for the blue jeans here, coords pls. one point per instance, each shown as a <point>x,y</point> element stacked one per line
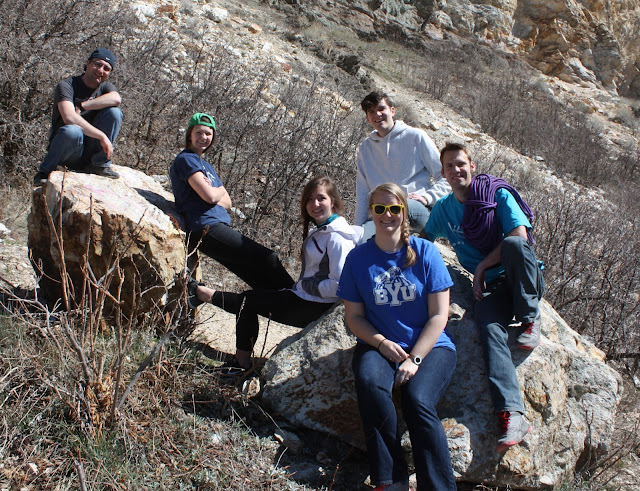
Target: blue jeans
<point>374,376</point>
<point>418,217</point>
<point>516,294</point>
<point>72,149</point>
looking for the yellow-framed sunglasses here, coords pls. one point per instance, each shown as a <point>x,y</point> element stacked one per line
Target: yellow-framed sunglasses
<point>382,209</point>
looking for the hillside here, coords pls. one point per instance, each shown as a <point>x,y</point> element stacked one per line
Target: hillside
<point>545,94</point>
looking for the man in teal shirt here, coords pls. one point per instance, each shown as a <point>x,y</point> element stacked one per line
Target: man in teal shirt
<point>486,222</point>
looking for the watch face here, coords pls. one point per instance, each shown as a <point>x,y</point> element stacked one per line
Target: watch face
<point>417,360</point>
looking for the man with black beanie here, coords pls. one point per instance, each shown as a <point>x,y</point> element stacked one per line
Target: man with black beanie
<point>85,121</point>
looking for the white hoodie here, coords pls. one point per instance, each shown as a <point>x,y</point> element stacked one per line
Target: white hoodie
<point>407,157</point>
<point>325,250</point>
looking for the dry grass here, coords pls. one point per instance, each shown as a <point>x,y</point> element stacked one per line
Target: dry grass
<point>160,440</point>
<point>95,402</point>
<point>92,402</point>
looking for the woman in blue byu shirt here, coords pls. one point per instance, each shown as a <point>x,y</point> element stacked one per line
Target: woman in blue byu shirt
<point>395,289</point>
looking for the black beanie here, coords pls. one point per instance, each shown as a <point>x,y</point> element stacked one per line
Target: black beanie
<point>105,55</point>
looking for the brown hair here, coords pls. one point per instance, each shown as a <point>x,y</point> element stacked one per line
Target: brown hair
<point>395,190</point>
<point>312,185</point>
<point>187,136</point>
<point>453,147</point>
<point>373,99</point>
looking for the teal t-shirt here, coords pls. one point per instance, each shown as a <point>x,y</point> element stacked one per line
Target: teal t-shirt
<point>445,221</point>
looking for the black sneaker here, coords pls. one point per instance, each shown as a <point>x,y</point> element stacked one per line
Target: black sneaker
<point>231,368</point>
<point>40,179</point>
<point>192,294</point>
<point>101,171</point>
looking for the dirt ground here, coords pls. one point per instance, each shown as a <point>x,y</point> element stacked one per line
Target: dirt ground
<point>15,268</point>
<point>216,329</point>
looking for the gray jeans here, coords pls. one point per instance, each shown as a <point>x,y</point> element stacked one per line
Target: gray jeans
<point>516,294</point>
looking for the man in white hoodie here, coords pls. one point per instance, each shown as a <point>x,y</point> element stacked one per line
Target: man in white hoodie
<point>396,152</point>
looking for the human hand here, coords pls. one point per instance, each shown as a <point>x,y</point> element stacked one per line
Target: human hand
<point>392,351</point>
<point>107,147</point>
<point>478,283</point>
<point>404,372</point>
<point>418,197</point>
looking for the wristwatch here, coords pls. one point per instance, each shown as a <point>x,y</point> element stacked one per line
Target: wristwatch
<point>415,359</point>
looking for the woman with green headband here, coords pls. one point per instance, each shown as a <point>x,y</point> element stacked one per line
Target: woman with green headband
<point>203,202</point>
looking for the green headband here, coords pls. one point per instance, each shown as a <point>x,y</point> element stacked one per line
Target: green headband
<point>197,119</point>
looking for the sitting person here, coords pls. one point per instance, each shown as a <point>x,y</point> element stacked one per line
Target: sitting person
<point>396,152</point>
<point>324,250</point>
<point>203,202</point>
<point>396,297</point>
<point>85,121</point>
<point>488,226</point>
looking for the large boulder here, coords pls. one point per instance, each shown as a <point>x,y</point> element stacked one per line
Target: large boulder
<point>132,218</point>
<point>570,394</point>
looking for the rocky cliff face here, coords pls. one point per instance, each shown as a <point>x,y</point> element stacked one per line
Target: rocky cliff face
<point>590,42</point>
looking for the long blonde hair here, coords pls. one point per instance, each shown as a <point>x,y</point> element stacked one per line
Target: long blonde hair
<point>405,233</point>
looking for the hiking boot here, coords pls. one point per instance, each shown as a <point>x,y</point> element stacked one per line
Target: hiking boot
<point>101,171</point>
<point>192,294</point>
<point>513,427</point>
<point>40,179</point>
<point>529,338</point>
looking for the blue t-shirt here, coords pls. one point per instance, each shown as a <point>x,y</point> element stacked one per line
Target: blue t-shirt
<point>445,220</point>
<point>197,213</point>
<point>395,299</point>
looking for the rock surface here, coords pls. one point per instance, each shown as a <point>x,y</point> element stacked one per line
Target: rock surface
<point>601,34</point>
<point>570,394</point>
<point>133,217</point>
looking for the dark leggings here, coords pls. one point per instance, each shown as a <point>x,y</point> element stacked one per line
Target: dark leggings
<point>282,306</point>
<point>255,264</point>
